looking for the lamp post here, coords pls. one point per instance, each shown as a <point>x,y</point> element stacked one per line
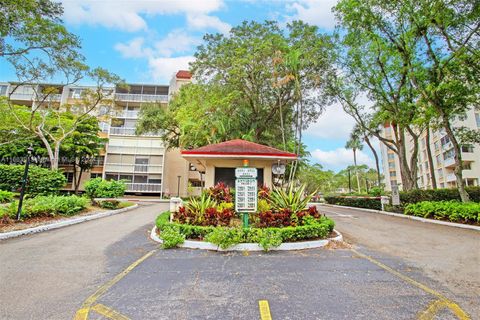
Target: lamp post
<point>24,182</point>
<point>178,186</point>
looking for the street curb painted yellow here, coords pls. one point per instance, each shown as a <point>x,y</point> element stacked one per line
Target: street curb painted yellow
<point>455,308</point>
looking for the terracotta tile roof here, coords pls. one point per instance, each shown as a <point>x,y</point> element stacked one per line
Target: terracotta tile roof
<point>183,74</point>
<point>240,147</point>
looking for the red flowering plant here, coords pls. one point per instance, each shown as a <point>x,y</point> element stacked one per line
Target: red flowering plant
<point>263,192</point>
<point>220,193</point>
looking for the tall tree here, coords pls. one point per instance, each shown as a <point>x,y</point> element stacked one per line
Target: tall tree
<point>82,148</point>
<point>244,78</point>
<point>355,144</point>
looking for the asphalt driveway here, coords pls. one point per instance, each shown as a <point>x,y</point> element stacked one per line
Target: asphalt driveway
<point>108,268</point>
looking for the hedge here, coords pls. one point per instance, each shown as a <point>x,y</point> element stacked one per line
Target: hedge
<point>175,233</point>
<point>446,210</point>
<point>406,197</point>
<point>42,206</point>
<point>358,202</point>
<point>99,188</point>
<point>415,196</point>
<point>41,181</point>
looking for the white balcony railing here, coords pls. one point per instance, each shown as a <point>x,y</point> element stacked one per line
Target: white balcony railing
<point>450,177</point>
<point>21,96</point>
<point>141,97</point>
<point>449,162</point>
<point>144,187</point>
<point>126,131</point>
<point>136,150</point>
<point>49,97</point>
<point>134,168</point>
<point>129,114</point>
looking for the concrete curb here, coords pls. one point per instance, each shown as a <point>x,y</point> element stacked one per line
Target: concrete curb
<point>191,244</point>
<point>61,224</point>
<point>404,216</point>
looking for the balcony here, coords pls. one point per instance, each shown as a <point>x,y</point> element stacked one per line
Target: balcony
<point>126,131</point>
<point>134,168</point>
<point>49,97</point>
<point>449,163</point>
<point>136,150</point>
<point>21,96</point>
<point>451,177</point>
<point>144,187</point>
<point>129,114</point>
<point>132,97</point>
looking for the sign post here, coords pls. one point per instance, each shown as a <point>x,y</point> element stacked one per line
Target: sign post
<point>395,195</point>
<point>245,192</point>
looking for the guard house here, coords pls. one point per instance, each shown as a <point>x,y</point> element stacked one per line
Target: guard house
<point>218,161</point>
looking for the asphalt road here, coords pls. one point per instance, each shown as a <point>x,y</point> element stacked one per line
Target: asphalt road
<point>394,271</point>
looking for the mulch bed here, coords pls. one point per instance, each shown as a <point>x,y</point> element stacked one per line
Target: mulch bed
<point>7,225</point>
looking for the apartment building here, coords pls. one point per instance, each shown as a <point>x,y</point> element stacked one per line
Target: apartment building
<point>442,154</point>
<point>143,161</point>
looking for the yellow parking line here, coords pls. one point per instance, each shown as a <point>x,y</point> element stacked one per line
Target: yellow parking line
<point>108,312</point>
<point>445,302</point>
<point>82,314</point>
<point>264,310</point>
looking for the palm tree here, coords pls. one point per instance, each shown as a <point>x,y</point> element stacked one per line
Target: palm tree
<point>355,144</point>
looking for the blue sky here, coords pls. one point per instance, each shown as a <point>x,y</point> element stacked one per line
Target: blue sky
<point>147,41</point>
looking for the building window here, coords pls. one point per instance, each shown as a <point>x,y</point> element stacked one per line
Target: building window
<point>75,93</point>
<point>94,175</point>
<point>393,173</point>
<point>445,140</point>
<point>391,165</point>
<point>3,90</point>
<point>437,146</point>
<point>391,156</point>
<point>467,148</point>
<point>440,172</point>
<point>448,154</point>
<point>467,166</point>
<point>197,183</point>
<point>477,117</point>
<point>69,176</point>
<point>439,160</point>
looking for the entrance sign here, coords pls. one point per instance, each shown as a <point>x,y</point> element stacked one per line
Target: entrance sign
<point>395,195</point>
<point>250,173</point>
<point>245,192</point>
<point>246,195</point>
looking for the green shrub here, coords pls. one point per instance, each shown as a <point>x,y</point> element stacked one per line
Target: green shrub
<point>267,238</point>
<point>358,202</point>
<point>6,196</point>
<point>49,206</point>
<point>225,237</point>
<point>41,181</point>
<point>99,188</point>
<point>446,210</point>
<point>415,196</point>
<point>171,236</point>
<point>109,204</point>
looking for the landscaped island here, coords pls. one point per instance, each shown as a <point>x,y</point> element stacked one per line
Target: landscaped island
<point>282,216</point>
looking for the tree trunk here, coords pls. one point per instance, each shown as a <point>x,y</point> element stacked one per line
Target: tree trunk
<point>407,182</point>
<point>356,171</point>
<point>430,159</point>
<point>77,184</point>
<point>75,176</point>
<point>458,159</point>
<point>377,163</point>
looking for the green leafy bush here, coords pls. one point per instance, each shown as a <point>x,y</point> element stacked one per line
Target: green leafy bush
<point>109,204</point>
<point>446,210</point>
<point>99,188</point>
<point>6,196</point>
<point>293,200</point>
<point>171,236</point>
<point>358,202</point>
<point>267,238</point>
<point>415,196</point>
<point>41,206</point>
<point>41,181</point>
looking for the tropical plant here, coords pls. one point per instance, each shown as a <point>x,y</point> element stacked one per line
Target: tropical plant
<point>292,199</point>
<point>99,188</point>
<point>355,145</point>
<point>199,205</point>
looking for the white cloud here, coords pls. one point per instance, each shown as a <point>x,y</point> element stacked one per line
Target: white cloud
<point>334,123</point>
<point>177,41</point>
<point>318,12</point>
<point>133,48</point>
<point>128,15</point>
<point>341,158</point>
<point>203,21</point>
<point>162,68</point>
